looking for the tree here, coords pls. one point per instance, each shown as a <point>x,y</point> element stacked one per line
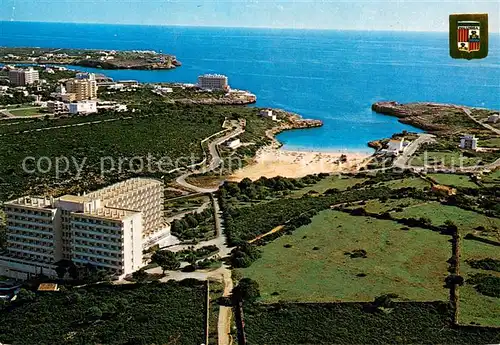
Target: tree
<point>167,260</point>
<point>26,295</point>
<point>247,290</point>
<point>94,313</point>
<point>140,276</point>
<point>61,271</point>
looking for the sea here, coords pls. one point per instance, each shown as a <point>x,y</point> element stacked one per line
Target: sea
<point>329,75</point>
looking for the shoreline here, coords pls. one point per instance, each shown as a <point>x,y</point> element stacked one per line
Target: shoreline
<point>274,160</point>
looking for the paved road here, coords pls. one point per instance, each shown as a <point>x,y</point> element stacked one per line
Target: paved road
<point>485,125</point>
<point>214,163</point>
<point>401,161</point>
<point>223,273</point>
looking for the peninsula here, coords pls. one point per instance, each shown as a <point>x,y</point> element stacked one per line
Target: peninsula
<point>105,59</point>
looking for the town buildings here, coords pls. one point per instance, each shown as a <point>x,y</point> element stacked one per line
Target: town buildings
<point>84,87</point>
<point>213,82</point>
<point>105,228</point>
<point>468,142</point>
<point>83,107</point>
<point>22,77</point>
<point>57,107</point>
<point>394,147</point>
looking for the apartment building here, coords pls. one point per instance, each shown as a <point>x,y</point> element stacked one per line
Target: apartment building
<point>105,228</point>
<point>84,87</point>
<point>468,142</point>
<point>23,77</point>
<point>56,107</point>
<point>213,82</point>
<point>83,107</point>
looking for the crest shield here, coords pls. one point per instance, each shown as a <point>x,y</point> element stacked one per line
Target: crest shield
<point>468,36</point>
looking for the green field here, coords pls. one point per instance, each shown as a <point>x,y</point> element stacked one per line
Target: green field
<point>454,180</point>
<point>493,142</point>
<point>474,306</point>
<point>445,159</point>
<point>466,221</point>
<point>414,182</point>
<point>377,206</point>
<point>157,313</point>
<point>26,112</point>
<point>410,263</point>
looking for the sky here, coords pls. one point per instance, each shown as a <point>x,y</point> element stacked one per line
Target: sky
<point>398,15</point>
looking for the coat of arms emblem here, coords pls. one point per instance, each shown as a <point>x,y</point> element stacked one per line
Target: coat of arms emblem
<point>469,36</point>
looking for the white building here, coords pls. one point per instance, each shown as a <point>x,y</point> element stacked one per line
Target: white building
<point>213,82</point>
<point>105,228</point>
<point>57,107</point>
<point>468,142</point>
<point>234,144</point>
<point>268,113</point>
<point>494,118</point>
<point>21,77</point>
<point>394,147</point>
<point>83,107</point>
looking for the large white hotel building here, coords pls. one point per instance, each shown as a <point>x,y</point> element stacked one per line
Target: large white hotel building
<point>106,228</point>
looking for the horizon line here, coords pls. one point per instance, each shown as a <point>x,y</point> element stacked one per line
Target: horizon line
<point>216,26</point>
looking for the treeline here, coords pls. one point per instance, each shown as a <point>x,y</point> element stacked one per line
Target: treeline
<point>488,264</point>
<point>485,284</point>
<point>263,188</point>
<point>246,223</point>
<point>358,323</point>
<point>193,226</point>
<point>17,98</point>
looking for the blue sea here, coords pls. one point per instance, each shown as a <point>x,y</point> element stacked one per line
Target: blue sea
<point>333,76</point>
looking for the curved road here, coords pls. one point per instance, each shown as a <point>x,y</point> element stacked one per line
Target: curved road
<point>223,273</point>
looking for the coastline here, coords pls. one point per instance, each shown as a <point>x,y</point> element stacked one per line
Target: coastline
<point>273,160</point>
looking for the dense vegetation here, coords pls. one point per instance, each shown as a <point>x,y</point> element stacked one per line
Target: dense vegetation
<point>264,188</point>
<point>149,134</point>
<point>243,224</point>
<point>358,323</point>
<point>194,226</point>
<point>166,313</point>
<point>488,285</point>
<point>15,98</point>
<point>485,264</point>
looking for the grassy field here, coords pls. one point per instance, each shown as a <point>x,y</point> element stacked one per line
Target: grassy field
<point>492,178</point>
<point>474,306</point>
<point>166,313</point>
<point>410,263</point>
<point>334,181</point>
<point>446,159</point>
<point>466,221</point>
<point>415,182</point>
<point>26,112</point>
<point>376,206</point>
<point>454,180</point>
<point>493,142</point>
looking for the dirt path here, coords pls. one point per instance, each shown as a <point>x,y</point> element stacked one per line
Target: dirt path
<point>225,313</point>
<point>276,229</point>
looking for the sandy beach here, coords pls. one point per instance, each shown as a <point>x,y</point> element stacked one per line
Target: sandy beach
<point>271,161</point>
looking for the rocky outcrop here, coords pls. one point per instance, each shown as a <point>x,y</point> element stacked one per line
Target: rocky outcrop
<point>215,101</point>
<point>431,117</point>
<point>290,121</point>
